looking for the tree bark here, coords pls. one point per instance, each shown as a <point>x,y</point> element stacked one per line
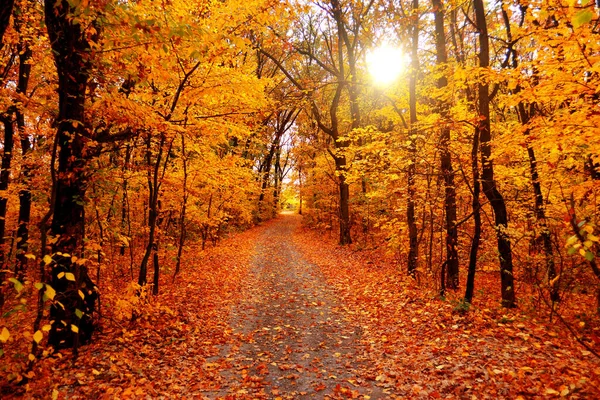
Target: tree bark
<point>68,278</point>
<point>6,7</point>
<point>7,121</point>
<point>182,231</point>
<point>476,206</point>
<point>413,251</point>
<point>452,265</point>
<point>488,181</point>
<point>525,114</point>
<point>25,54</point>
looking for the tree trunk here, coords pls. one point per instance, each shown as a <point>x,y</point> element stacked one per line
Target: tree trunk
<point>6,119</point>
<point>413,251</point>
<point>344,207</point>
<point>71,314</point>
<point>452,265</point>
<point>153,192</point>
<point>25,54</point>
<point>525,114</point>
<point>470,286</point>
<point>487,176</point>
<point>6,7</point>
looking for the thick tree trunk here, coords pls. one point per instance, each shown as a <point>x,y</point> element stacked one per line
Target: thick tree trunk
<point>487,176</point>
<point>69,278</point>
<point>445,157</point>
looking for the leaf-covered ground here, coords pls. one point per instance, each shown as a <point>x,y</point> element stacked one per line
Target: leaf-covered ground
<point>421,346</point>
<point>279,312</point>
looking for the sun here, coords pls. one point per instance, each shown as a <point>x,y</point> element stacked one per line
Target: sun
<point>386,63</point>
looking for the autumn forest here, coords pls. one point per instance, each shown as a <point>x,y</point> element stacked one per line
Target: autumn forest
<point>269,199</point>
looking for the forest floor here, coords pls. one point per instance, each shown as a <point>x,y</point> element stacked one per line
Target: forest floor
<point>278,312</point>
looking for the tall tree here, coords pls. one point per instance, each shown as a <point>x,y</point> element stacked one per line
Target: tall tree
<point>488,181</point>
<point>413,251</point>
<point>71,313</point>
<point>446,157</point>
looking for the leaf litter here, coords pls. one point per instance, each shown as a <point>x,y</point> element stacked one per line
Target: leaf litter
<point>279,312</point>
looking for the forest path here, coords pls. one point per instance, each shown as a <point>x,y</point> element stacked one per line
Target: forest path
<point>290,339</point>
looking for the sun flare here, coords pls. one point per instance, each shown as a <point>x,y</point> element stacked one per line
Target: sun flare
<point>386,63</point>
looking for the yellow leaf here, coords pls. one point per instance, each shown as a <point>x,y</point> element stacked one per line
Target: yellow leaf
<point>60,275</point>
<point>54,394</point>
<point>81,294</point>
<point>70,276</point>
<point>95,371</point>
<point>30,256</point>
<point>47,259</point>
<point>4,335</point>
<point>31,357</point>
<point>50,292</point>
<point>38,336</point>
<point>46,328</point>
<point>74,328</point>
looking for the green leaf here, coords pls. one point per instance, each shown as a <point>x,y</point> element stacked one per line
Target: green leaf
<point>581,18</point>
<point>79,313</point>
<point>589,255</point>
<point>18,285</point>
<point>572,251</point>
<point>38,285</point>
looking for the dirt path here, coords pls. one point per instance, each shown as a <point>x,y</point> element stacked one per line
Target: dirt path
<point>290,341</point>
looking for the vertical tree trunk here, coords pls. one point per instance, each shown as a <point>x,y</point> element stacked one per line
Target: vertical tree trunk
<point>452,265</point>
<point>277,181</point>
<point>487,175</point>
<point>182,232</point>
<point>6,119</point>
<point>6,7</point>
<point>153,193</point>
<point>525,114</point>
<point>413,251</point>
<point>300,190</point>
<point>476,206</point>
<point>25,54</point>
<point>124,200</point>
<point>68,278</point>
<point>344,208</point>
